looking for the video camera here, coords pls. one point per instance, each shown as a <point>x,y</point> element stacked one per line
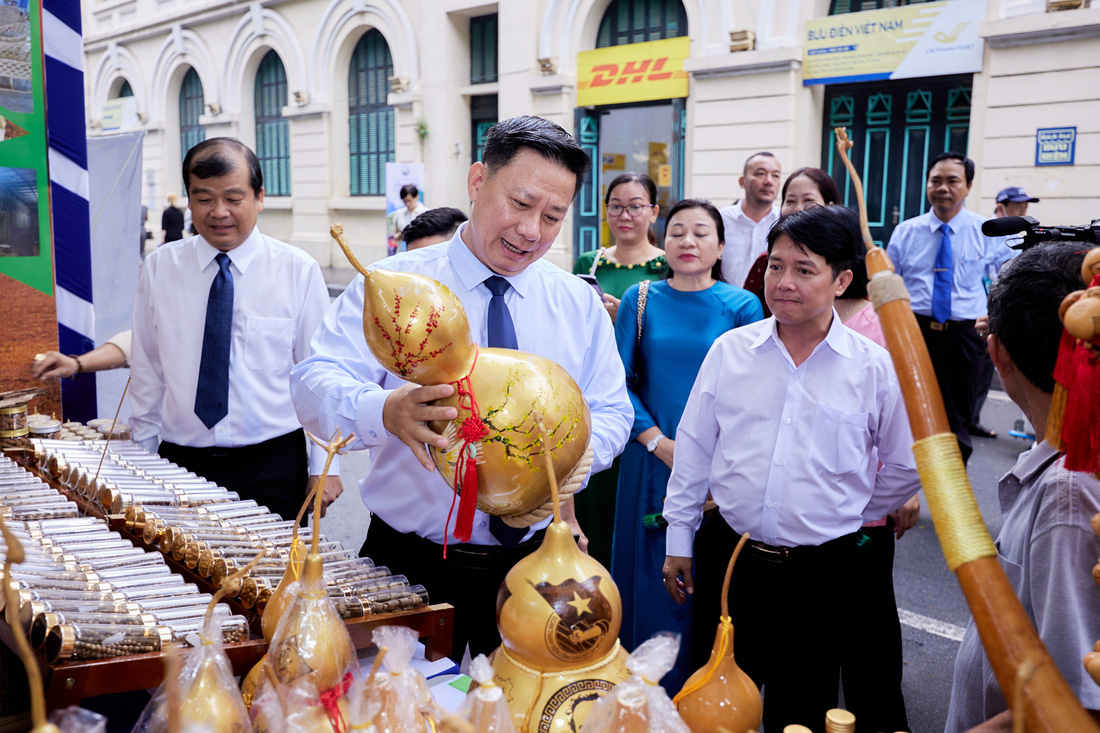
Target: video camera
<point>1024,232</point>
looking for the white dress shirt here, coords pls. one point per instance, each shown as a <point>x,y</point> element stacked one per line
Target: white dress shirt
<point>746,240</point>
<point>789,453</point>
<point>913,247</point>
<point>556,315</point>
<point>279,298</point>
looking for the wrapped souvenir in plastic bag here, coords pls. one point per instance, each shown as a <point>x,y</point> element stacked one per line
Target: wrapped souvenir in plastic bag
<point>399,690</point>
<point>78,720</point>
<point>209,700</point>
<point>640,704</point>
<point>297,708</point>
<point>485,707</point>
<point>311,645</point>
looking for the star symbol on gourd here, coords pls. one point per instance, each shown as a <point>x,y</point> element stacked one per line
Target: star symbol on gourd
<point>580,604</point>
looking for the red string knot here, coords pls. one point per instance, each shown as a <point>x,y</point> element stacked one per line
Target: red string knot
<point>473,429</point>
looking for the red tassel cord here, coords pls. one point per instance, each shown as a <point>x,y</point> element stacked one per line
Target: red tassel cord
<point>1079,374</point>
<point>1081,424</point>
<point>471,432</point>
<point>330,700</point>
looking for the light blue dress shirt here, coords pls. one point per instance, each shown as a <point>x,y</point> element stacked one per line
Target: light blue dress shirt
<point>556,315</point>
<point>913,247</point>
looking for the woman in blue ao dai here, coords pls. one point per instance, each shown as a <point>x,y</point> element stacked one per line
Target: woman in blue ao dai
<point>681,318</point>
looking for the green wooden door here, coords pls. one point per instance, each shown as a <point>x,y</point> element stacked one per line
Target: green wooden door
<point>897,127</point>
<point>588,208</point>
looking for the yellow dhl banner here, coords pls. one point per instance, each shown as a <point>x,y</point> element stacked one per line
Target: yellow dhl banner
<point>638,72</point>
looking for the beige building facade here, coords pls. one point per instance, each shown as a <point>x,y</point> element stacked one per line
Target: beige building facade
<point>742,91</point>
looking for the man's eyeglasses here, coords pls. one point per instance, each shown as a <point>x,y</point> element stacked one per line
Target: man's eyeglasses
<point>634,209</point>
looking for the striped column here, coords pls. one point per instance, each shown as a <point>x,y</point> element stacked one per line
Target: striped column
<point>63,50</point>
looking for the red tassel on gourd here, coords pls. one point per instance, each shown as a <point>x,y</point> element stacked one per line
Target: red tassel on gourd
<point>472,431</point>
<point>1079,375</point>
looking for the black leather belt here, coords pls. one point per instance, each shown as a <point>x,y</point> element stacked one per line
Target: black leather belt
<point>782,553</point>
<point>770,553</point>
<point>471,550</point>
<point>935,325</point>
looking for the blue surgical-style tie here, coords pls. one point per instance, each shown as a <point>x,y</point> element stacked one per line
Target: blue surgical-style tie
<point>212,395</point>
<point>502,334</point>
<point>941,278</point>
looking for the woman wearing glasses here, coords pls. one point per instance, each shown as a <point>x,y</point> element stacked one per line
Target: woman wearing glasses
<point>632,209</point>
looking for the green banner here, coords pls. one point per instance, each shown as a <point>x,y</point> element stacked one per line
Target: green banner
<point>26,245</point>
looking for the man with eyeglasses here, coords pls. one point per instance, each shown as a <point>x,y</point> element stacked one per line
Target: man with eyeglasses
<point>749,220</point>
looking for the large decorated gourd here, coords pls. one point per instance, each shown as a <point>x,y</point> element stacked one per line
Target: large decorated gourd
<point>559,613</point>
<point>721,694</point>
<point>417,329</point>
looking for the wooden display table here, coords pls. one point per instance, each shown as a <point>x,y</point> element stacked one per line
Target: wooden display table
<point>67,683</point>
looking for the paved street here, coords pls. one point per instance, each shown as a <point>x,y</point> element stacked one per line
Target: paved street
<point>925,587</point>
<point>932,606</point>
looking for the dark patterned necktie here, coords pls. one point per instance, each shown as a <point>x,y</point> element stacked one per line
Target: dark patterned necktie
<point>212,394</point>
<point>502,334</point>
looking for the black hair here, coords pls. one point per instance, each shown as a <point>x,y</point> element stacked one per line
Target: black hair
<point>409,190</point>
<point>507,137</point>
<point>208,159</point>
<point>830,194</point>
<point>719,226</point>
<point>824,230</point>
<point>432,223</point>
<point>645,181</point>
<point>1023,306</point>
<point>763,153</point>
<point>967,164</point>
<point>858,287</point>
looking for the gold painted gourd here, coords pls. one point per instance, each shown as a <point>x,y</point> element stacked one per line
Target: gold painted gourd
<point>418,330</point>
<point>559,614</point>
<point>721,694</point>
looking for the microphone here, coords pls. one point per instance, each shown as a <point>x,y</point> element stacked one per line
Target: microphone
<point>1008,225</point>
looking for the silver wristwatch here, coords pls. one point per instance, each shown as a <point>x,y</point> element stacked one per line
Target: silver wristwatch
<point>652,445</point>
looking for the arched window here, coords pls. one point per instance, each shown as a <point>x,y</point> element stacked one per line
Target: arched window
<point>370,119</point>
<point>637,21</point>
<point>125,90</point>
<point>272,129</point>
<point>191,104</point>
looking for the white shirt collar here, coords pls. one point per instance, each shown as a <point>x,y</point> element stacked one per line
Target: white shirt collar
<point>836,338</point>
<point>954,224</point>
<point>739,213</point>
<point>472,272</point>
<point>241,256</point>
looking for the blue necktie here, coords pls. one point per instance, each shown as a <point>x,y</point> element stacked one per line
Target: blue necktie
<point>941,278</point>
<point>212,395</point>
<point>502,334</point>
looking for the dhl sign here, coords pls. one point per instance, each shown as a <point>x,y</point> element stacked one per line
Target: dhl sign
<point>639,72</point>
